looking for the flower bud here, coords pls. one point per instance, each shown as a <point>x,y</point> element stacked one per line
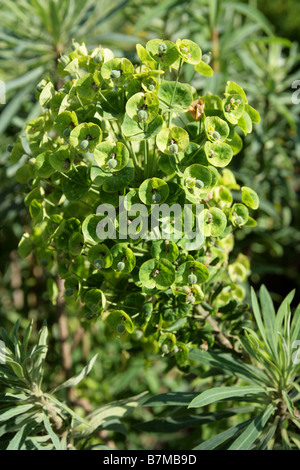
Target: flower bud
<point>64,60</point>
<point>98,58</point>
<point>40,87</point>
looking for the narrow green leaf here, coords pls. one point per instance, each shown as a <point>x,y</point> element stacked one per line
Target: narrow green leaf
<point>15,411</point>
<point>19,439</point>
<point>253,431</point>
<point>257,314</point>
<point>223,393</point>
<point>229,364</point>
<point>216,441</point>
<point>53,436</point>
<point>268,313</point>
<point>171,399</point>
<point>73,381</point>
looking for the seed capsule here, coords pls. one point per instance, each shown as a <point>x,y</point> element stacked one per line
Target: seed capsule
<point>120,328</point>
<point>206,58</point>
<point>84,144</point>
<point>173,148</point>
<point>156,197</point>
<point>98,263</point>
<point>199,184</point>
<point>121,266</point>
<point>143,115</point>
<point>69,292</point>
<point>216,135</point>
<point>191,299</point>
<point>66,132</point>
<point>112,163</point>
<point>239,220</point>
<point>162,48</point>
<point>192,278</point>
<point>115,74</point>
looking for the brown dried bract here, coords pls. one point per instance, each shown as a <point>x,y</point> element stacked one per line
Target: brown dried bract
<point>197,109</point>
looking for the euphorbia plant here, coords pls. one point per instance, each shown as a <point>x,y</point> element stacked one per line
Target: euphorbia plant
<point>123,134</point>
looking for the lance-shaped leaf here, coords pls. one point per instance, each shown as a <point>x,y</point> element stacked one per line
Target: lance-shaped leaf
<point>254,430</point>
<point>226,393</point>
<point>79,377</point>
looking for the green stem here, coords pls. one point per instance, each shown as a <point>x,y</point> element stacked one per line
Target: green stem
<point>146,155</point>
<point>130,150</point>
<point>176,83</point>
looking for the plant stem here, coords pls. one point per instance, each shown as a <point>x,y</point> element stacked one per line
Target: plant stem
<point>146,152</point>
<point>130,149</point>
<point>176,83</point>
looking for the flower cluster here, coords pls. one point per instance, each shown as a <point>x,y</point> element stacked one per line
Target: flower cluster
<point>115,129</point>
